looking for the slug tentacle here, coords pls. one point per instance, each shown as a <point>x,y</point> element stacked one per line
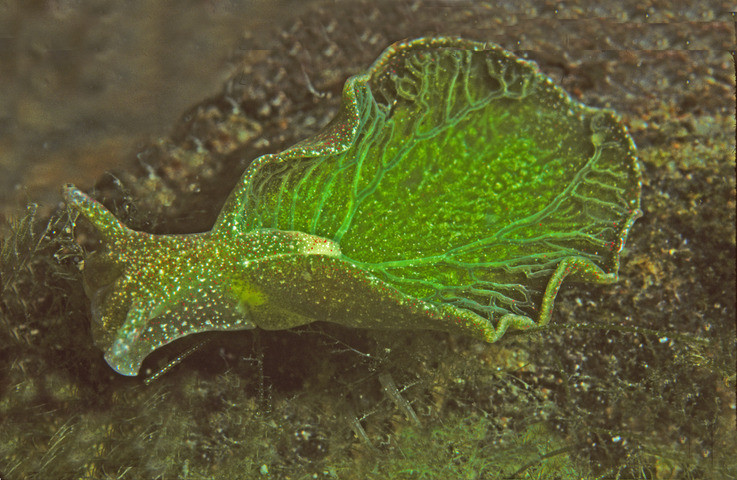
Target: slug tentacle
<point>107,225</point>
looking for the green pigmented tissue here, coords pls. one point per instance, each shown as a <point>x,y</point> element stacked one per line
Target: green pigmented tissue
<point>456,189</point>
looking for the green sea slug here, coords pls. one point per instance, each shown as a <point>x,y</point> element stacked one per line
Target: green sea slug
<point>455,190</point>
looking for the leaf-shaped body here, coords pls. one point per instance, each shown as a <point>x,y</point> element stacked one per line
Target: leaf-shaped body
<point>455,190</point>
<point>459,175</point>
